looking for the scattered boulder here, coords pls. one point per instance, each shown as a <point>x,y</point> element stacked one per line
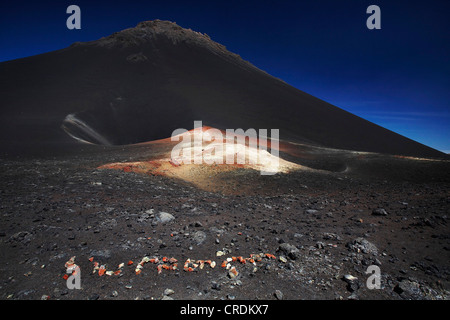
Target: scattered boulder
<point>362,245</point>
<point>164,217</point>
<point>168,292</point>
<point>278,294</point>
<point>100,254</point>
<point>320,245</point>
<point>198,224</point>
<point>408,289</point>
<point>379,212</point>
<point>23,237</point>
<point>349,278</point>
<point>352,282</point>
<point>199,237</point>
<point>331,236</point>
<point>291,251</point>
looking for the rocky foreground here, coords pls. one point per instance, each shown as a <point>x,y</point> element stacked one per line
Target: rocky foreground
<point>305,235</point>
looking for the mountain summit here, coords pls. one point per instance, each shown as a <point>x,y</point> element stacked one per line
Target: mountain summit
<point>151,32</point>
<point>148,31</point>
<point>142,83</point>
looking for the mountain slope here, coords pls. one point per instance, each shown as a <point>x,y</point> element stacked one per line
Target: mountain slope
<point>142,83</point>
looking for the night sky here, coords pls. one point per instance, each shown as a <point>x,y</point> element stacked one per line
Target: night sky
<point>397,77</point>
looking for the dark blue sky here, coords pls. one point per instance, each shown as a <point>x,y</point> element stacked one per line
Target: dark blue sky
<point>397,77</point>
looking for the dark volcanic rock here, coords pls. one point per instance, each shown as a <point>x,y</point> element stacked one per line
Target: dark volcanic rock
<point>199,237</point>
<point>379,212</point>
<point>362,245</point>
<point>278,294</point>
<point>100,254</point>
<point>164,217</point>
<point>409,290</point>
<point>290,250</point>
<point>352,283</point>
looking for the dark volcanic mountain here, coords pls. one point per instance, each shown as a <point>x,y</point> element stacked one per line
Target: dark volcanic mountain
<point>308,226</point>
<point>141,83</point>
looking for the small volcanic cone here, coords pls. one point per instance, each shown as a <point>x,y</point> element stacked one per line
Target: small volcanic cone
<point>199,155</point>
